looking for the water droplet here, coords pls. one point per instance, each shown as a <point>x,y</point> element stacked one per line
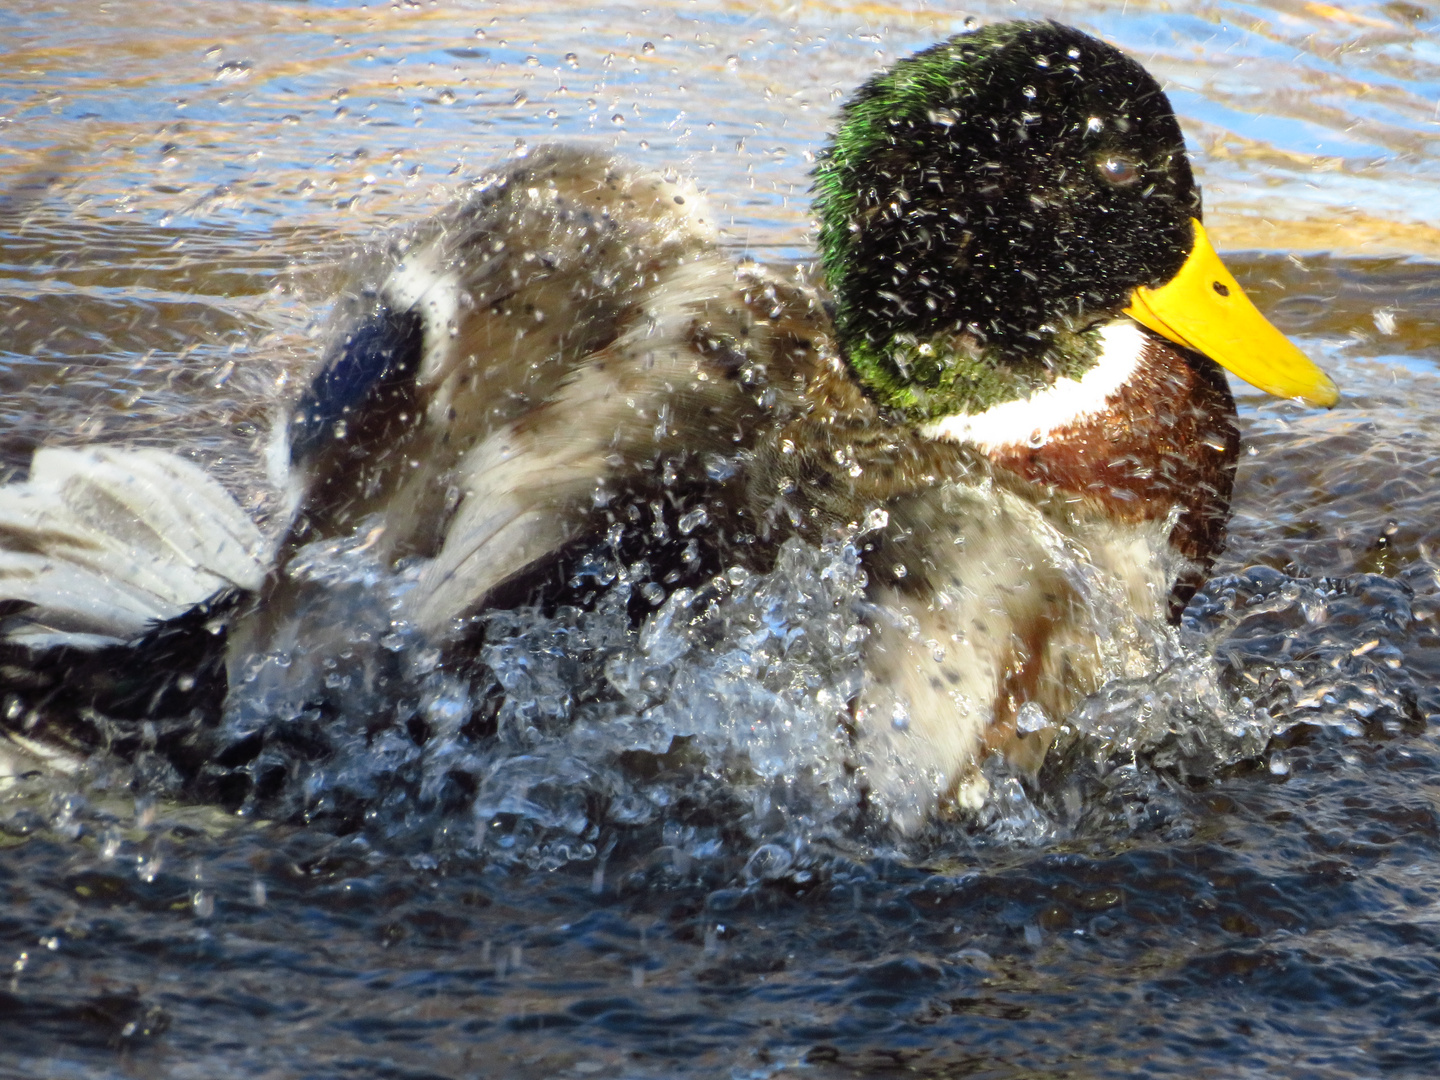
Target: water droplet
<point>693,520</point>
<point>532,61</point>
<point>648,47</point>
<point>718,467</point>
<point>732,61</point>
<point>1031,718</point>
<point>551,113</point>
<point>233,71</point>
<point>768,862</point>
<point>446,97</point>
<point>618,118</point>
<point>900,718</point>
<point>572,59</point>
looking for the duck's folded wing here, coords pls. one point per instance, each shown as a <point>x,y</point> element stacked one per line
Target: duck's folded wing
<point>662,390</point>
<point>535,485</point>
<point>102,543</point>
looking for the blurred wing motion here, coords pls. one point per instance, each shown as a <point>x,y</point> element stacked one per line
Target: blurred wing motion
<point>102,544</point>
<point>533,357</point>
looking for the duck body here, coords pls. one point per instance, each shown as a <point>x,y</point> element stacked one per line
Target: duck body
<point>994,399</point>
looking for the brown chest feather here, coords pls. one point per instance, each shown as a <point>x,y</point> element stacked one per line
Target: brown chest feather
<point>1168,441</point>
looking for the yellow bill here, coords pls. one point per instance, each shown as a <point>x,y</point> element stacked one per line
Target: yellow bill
<point>1203,308</point>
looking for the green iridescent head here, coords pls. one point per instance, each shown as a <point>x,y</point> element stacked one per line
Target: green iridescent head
<point>986,203</point>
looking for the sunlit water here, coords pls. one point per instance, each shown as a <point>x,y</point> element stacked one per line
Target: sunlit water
<point>638,853</point>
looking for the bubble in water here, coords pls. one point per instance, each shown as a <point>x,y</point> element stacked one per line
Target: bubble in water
<point>768,862</point>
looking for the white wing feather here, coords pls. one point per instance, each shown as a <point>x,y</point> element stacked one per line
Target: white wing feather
<point>102,542</point>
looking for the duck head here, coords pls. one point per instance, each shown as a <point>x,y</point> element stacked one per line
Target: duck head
<point>987,204</point>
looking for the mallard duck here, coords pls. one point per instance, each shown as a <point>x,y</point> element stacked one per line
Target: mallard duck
<point>1006,393</point>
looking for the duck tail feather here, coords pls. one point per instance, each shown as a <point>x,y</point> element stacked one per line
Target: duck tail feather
<point>101,544</point>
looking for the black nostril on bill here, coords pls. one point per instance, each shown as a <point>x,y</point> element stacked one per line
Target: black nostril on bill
<point>1222,288</point>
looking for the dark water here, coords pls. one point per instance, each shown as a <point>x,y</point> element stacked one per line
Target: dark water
<point>1230,869</point>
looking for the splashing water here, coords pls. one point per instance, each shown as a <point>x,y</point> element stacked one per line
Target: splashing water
<point>720,728</point>
<point>572,723</point>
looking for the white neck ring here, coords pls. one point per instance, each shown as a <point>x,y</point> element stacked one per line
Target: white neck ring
<point>1033,420</point>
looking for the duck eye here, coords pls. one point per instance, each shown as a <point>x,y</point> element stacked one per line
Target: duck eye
<point>1119,171</point>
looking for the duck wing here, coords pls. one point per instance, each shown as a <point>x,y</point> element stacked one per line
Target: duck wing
<point>580,330</point>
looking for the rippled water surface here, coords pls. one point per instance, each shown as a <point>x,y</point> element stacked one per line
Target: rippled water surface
<point>1231,869</point>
